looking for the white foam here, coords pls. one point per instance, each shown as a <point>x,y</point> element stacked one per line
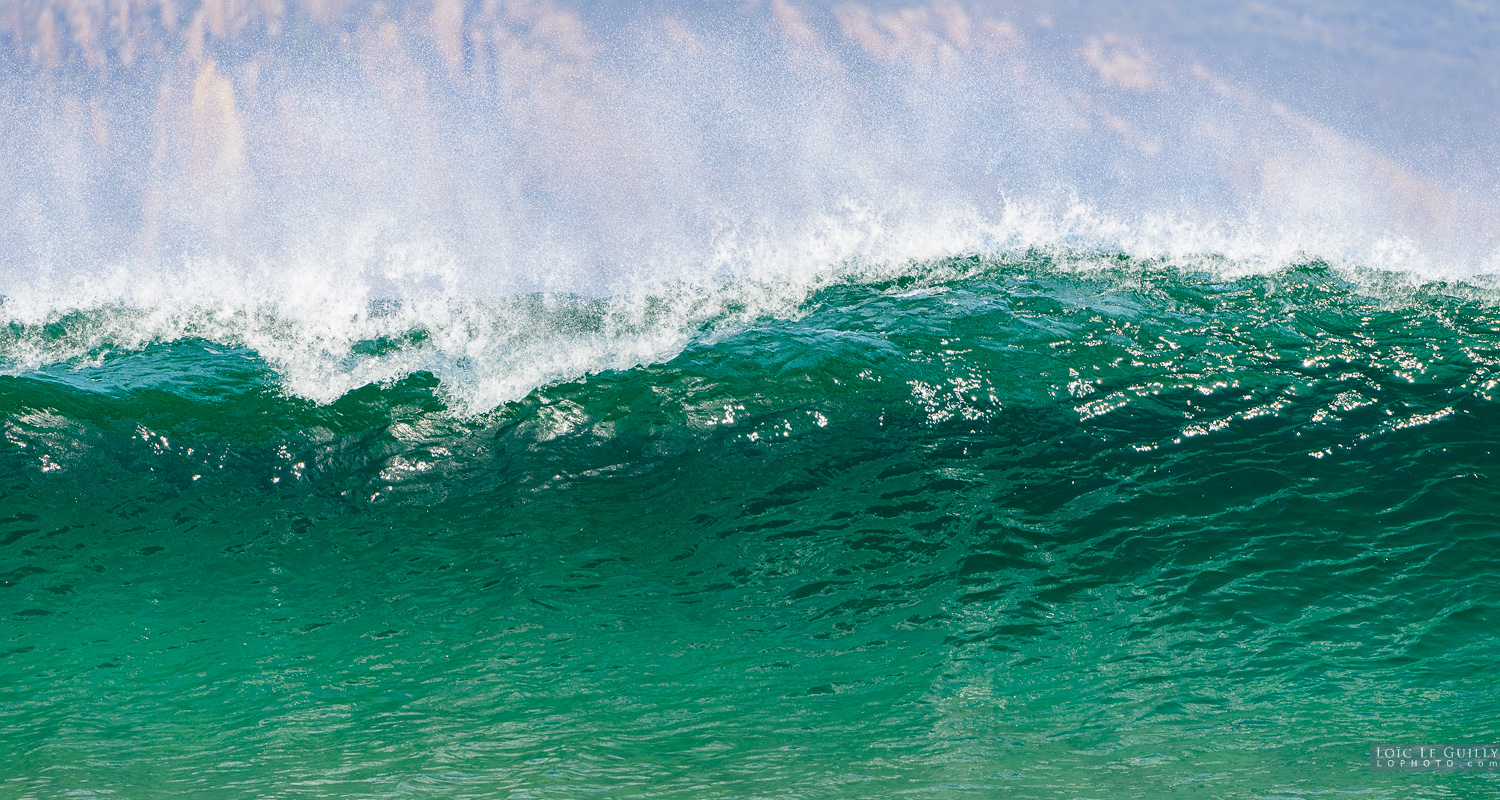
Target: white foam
<point>567,201</point>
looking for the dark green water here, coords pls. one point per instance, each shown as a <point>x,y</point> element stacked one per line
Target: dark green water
<point>1023,533</point>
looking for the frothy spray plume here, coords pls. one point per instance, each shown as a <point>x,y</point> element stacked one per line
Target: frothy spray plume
<point>511,194</point>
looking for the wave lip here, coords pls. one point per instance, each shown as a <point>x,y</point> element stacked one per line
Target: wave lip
<point>332,331</point>
<point>486,352</point>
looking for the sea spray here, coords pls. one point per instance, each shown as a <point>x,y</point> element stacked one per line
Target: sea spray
<point>300,180</point>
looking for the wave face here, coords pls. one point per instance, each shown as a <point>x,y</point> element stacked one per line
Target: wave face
<point>1024,530</point>
<point>518,399</point>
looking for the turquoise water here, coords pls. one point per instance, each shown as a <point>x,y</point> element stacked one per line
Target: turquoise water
<point>1002,527</point>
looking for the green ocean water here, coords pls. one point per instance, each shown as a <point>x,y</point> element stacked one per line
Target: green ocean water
<point>1023,530</point>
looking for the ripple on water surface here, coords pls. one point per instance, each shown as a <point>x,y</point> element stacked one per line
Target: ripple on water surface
<point>1031,531</point>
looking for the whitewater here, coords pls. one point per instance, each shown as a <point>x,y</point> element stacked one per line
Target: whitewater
<point>527,193</point>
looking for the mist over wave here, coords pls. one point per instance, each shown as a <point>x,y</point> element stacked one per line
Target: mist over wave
<point>512,194</point>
